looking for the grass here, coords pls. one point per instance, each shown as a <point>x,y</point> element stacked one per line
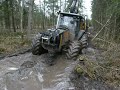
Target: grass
<point>108,72</point>
<point>106,68</point>
<point>9,42</point>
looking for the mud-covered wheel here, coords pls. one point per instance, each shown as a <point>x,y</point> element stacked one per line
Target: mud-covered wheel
<point>37,49</point>
<point>84,41</point>
<point>74,50</point>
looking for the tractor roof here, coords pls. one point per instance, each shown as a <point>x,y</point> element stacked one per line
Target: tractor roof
<point>71,14</point>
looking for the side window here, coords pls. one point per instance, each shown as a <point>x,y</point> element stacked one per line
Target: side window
<point>82,25</point>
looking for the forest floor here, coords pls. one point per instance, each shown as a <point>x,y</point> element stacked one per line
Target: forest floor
<point>13,43</point>
<point>95,69</point>
<point>29,72</point>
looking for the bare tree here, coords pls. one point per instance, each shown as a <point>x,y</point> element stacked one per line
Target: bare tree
<point>21,20</point>
<point>12,15</point>
<point>31,3</point>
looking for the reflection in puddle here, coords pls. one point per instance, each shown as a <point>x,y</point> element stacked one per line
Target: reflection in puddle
<point>40,77</point>
<point>12,68</point>
<point>5,88</point>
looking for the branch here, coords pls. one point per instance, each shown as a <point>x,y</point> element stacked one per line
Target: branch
<point>101,24</point>
<point>102,28</point>
<point>104,41</point>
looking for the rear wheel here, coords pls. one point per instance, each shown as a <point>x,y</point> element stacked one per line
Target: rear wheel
<point>84,41</point>
<point>74,50</point>
<point>37,49</point>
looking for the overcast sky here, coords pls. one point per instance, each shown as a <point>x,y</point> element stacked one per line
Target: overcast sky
<point>86,4</point>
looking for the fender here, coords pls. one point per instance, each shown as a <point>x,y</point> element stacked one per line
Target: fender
<point>80,34</point>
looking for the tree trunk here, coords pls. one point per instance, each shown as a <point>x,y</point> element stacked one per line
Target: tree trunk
<point>6,14</point>
<point>30,18</point>
<point>60,5</point>
<point>13,22</point>
<point>44,17</point>
<point>21,20</point>
<point>12,14</point>
<point>53,12</point>
<point>40,25</point>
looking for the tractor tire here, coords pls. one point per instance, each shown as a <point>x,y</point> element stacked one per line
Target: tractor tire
<point>74,50</point>
<point>37,48</point>
<point>84,41</point>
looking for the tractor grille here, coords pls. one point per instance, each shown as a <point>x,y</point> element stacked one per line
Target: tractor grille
<point>45,40</point>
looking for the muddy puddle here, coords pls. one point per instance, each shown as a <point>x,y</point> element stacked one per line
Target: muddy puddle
<point>29,72</point>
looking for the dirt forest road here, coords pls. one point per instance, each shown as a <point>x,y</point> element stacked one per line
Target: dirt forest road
<point>29,72</point>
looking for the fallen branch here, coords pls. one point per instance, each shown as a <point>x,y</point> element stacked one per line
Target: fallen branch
<point>114,47</point>
<point>102,28</point>
<point>101,24</point>
<point>103,40</point>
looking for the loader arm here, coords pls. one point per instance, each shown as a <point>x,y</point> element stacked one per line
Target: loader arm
<point>74,7</point>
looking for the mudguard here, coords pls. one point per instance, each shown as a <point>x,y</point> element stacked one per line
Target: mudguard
<point>83,38</point>
<point>81,34</point>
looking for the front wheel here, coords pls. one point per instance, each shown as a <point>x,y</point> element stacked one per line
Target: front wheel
<point>37,48</point>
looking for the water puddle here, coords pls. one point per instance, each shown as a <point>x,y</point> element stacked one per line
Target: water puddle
<point>33,74</point>
<point>12,68</point>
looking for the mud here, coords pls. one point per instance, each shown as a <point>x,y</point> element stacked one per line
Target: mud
<point>15,53</point>
<point>29,72</point>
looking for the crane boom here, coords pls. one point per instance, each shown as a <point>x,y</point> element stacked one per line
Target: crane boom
<point>74,7</point>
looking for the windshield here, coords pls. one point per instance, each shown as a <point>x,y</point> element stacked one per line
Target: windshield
<point>68,22</point>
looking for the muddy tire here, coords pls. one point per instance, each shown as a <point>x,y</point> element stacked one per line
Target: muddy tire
<point>37,49</point>
<point>84,41</point>
<point>74,50</point>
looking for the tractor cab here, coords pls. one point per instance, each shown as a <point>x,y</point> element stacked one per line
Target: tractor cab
<point>69,21</point>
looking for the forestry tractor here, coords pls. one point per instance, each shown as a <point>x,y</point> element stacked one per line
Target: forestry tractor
<point>69,35</point>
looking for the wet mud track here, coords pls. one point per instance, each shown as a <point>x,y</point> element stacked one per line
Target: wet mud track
<point>29,72</point>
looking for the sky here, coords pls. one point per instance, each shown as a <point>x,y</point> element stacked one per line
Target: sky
<point>87,10</point>
<point>87,4</point>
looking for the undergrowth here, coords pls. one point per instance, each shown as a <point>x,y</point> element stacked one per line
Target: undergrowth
<point>105,68</point>
<point>9,42</point>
